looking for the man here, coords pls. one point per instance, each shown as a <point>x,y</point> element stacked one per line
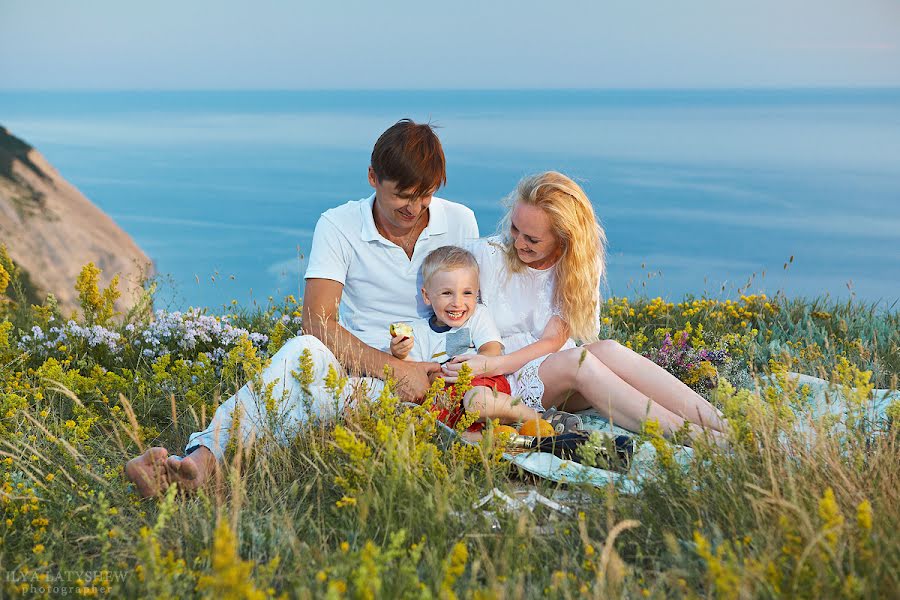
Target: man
<point>365,258</point>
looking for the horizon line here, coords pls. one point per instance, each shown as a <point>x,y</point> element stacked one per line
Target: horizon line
<point>746,88</point>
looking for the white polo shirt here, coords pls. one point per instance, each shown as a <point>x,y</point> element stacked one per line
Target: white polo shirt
<point>381,284</point>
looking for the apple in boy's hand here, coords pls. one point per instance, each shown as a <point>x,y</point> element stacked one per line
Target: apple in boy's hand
<point>401,329</point>
<point>401,340</point>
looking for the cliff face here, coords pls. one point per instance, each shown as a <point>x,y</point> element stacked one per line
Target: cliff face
<point>51,230</point>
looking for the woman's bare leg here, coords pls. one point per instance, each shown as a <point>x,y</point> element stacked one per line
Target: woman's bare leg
<point>491,404</point>
<point>655,382</point>
<point>575,377</point>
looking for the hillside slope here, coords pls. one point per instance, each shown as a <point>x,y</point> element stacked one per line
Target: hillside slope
<point>51,229</point>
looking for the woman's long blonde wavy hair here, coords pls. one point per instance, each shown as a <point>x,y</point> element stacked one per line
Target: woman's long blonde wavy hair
<point>583,241</point>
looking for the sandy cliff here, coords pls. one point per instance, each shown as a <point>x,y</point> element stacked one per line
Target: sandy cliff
<point>51,230</point>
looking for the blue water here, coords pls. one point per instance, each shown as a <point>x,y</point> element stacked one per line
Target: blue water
<point>699,191</point>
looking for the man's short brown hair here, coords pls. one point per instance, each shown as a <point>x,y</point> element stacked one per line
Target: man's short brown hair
<point>411,155</point>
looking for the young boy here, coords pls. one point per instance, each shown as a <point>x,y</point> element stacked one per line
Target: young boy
<point>459,325</point>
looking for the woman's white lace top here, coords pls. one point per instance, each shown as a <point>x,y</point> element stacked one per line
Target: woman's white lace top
<point>520,303</point>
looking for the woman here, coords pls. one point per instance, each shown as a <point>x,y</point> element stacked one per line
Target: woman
<point>540,278</point>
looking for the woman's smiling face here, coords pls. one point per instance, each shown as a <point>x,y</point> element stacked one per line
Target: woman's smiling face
<point>531,233</point>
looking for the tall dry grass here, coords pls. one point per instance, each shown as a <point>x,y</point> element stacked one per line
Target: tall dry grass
<point>375,505</point>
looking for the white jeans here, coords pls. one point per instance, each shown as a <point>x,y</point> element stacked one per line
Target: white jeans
<point>296,407</point>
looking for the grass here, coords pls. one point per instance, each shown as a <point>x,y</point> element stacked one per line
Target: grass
<point>375,507</point>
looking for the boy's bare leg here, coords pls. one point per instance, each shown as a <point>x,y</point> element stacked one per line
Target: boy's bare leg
<point>491,404</point>
<point>154,471</point>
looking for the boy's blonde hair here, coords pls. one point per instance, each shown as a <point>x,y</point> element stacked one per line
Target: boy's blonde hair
<point>447,258</point>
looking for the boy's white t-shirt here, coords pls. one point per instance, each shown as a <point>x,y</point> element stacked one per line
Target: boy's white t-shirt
<point>431,345</point>
<point>381,283</point>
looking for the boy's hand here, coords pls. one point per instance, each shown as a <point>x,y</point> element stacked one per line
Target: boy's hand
<point>401,345</point>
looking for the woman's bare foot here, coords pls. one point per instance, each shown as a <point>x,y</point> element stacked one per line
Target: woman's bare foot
<point>154,471</point>
<point>712,436</point>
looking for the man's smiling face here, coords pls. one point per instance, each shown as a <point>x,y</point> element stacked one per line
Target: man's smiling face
<point>397,210</point>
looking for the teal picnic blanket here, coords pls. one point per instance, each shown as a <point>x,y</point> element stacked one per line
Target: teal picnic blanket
<point>824,401</point>
<point>549,466</point>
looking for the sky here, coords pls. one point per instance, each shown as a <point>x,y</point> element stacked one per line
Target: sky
<point>361,44</point>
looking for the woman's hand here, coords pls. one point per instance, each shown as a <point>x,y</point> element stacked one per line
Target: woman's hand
<point>481,366</point>
<point>401,345</point>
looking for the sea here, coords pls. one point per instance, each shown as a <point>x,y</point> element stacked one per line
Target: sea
<point>711,193</point>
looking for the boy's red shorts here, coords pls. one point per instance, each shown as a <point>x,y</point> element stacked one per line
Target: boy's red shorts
<point>496,382</point>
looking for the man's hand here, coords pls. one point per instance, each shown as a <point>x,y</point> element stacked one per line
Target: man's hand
<point>414,379</point>
<point>401,346</point>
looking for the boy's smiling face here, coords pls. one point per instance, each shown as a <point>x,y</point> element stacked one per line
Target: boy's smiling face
<point>452,294</point>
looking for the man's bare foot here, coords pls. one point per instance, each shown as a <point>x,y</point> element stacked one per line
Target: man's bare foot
<point>148,472</point>
<point>154,471</point>
<point>192,471</point>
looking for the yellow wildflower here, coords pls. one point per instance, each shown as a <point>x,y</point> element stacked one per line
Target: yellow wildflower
<point>831,517</point>
<point>864,515</point>
<point>96,305</point>
<point>334,383</point>
<point>4,279</point>
<point>665,454</point>
<point>305,376</point>
<point>337,588</point>
<point>721,571</point>
<point>230,576</point>
<point>455,566</point>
